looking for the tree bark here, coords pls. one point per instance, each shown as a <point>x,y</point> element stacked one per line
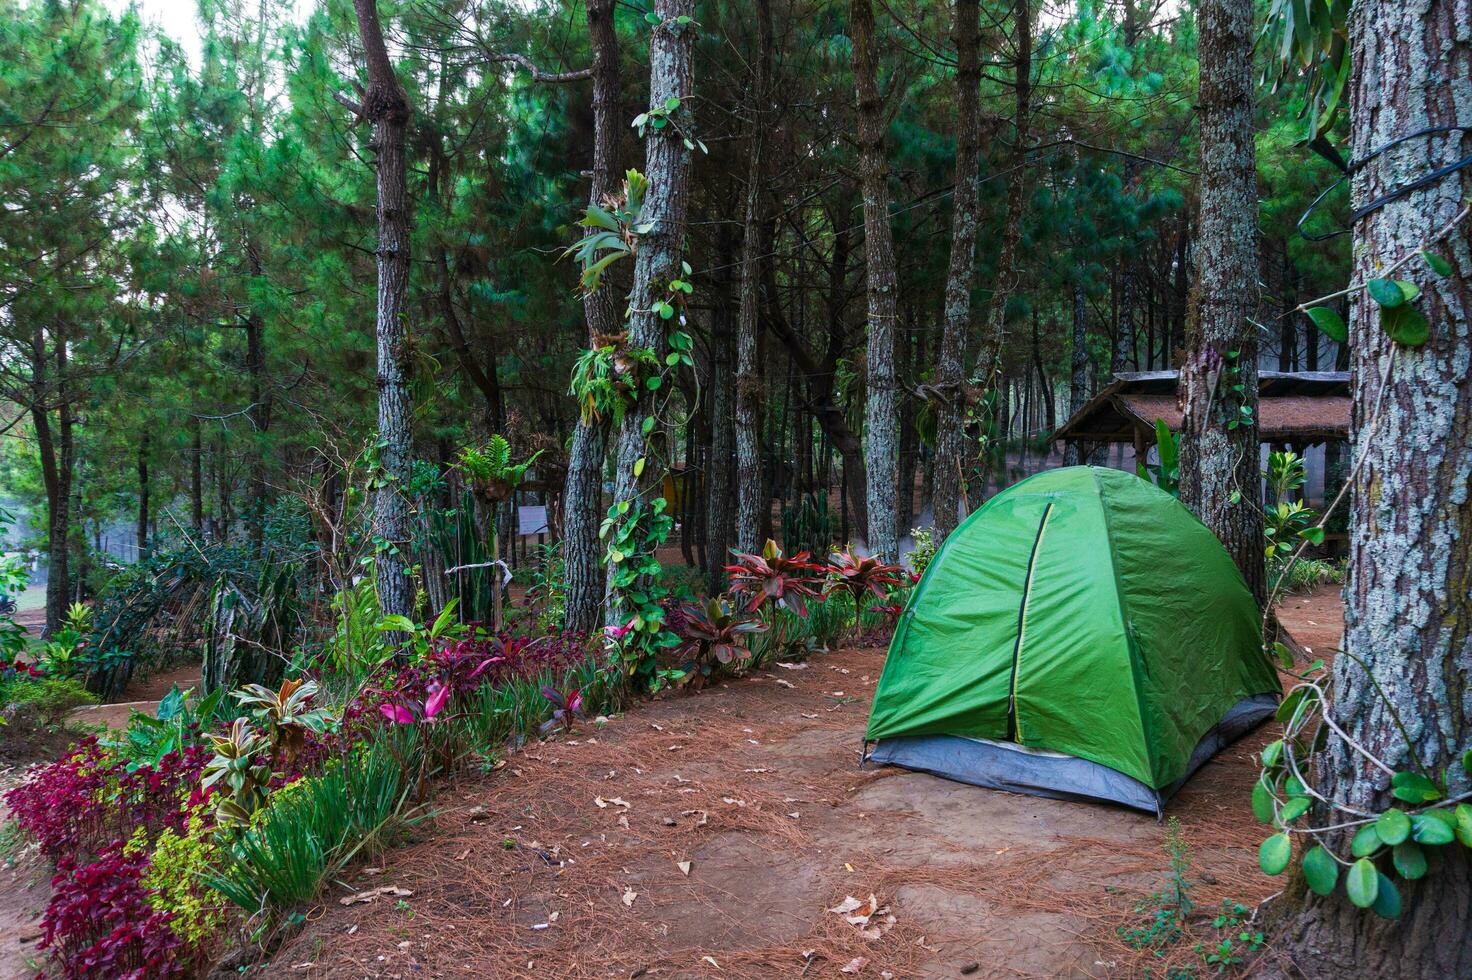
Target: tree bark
<point>57,464</point>
<point>1078,378</point>
<point>989,363</point>
<point>720,469</point>
<point>142,526</point>
<point>387,108</point>
<point>583,491</point>
<point>1220,471</point>
<point>196,476</point>
<point>950,371</point>
<point>750,494</point>
<point>881,404</point>
<point>667,166</point>
<point>1408,617</point>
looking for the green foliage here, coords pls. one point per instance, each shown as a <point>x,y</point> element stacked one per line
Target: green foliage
<point>177,724</point>
<point>808,524</point>
<point>46,700</point>
<point>1165,474</point>
<point>547,590</point>
<point>924,551</point>
<point>1165,910</point>
<point>250,633</point>
<point>613,230</point>
<point>13,581</point>
<point>419,640</point>
<point>490,470</point>
<point>1387,845</point>
<point>62,654</point>
<point>178,868</point>
<point>314,826</point>
<point>356,646</point>
<point>1309,42</point>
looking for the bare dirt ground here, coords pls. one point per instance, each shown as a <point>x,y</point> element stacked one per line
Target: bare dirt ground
<point>730,823</point>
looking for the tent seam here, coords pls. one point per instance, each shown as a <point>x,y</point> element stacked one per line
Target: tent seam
<point>1131,645</point>
<point>1014,724</point>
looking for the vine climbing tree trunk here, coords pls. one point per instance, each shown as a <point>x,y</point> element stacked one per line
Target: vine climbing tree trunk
<point>881,405</point>
<point>1220,471</point>
<point>667,166</point>
<point>387,108</point>
<point>583,491</point>
<point>750,495</point>
<point>1408,617</point>
<point>950,372</point>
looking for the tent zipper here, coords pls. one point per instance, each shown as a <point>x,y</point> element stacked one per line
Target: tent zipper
<point>1012,733</point>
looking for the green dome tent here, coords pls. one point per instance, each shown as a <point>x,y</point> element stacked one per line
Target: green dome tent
<point>1081,636</point>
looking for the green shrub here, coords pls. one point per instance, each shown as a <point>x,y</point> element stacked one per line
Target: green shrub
<point>45,700</point>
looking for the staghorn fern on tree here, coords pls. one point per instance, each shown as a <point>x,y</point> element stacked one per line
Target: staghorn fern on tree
<point>494,478</point>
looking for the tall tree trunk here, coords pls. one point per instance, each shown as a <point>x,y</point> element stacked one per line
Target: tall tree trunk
<point>881,404</point>
<point>583,491</point>
<point>667,166</point>
<point>1408,621</point>
<point>1220,473</point>
<point>255,413</point>
<point>387,108</point>
<point>750,494</point>
<point>950,371</point>
<point>57,464</point>
<point>1078,378</point>
<point>720,468</point>
<point>142,528</point>
<point>196,476</point>
<point>989,362</point>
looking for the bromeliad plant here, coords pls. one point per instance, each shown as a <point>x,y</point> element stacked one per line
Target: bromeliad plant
<point>715,635</point>
<point>787,582</point>
<point>286,714</point>
<point>239,772</point>
<point>862,576</point>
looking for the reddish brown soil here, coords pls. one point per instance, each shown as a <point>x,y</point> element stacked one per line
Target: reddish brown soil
<point>756,784</point>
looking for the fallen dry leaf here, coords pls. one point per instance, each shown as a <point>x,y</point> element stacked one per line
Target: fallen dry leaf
<point>629,896</point>
<point>855,965</point>
<point>372,895</point>
<point>711,960</point>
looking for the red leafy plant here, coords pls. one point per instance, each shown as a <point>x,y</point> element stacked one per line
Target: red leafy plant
<point>714,636</point>
<point>566,708</point>
<point>101,923</point>
<point>860,574</point>
<point>88,799</point>
<point>788,581</point>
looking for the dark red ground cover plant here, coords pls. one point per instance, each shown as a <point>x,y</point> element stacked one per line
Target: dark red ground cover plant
<point>76,807</point>
<point>100,922</point>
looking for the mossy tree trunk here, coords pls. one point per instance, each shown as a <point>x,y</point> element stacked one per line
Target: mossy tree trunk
<point>1220,471</point>
<point>1408,616</point>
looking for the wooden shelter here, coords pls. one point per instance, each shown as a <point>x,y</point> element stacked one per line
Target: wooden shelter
<point>1295,408</point>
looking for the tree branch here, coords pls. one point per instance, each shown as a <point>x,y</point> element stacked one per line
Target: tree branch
<point>552,78</point>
